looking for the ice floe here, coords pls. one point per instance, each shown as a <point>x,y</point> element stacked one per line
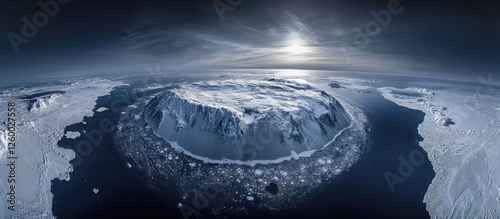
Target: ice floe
<point>461,132</point>
<point>39,129</point>
<point>72,135</point>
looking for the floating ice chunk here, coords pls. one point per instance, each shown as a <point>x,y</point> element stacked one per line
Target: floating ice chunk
<point>129,165</point>
<point>283,173</point>
<point>96,191</point>
<point>250,198</point>
<point>102,109</point>
<point>258,172</point>
<point>72,135</point>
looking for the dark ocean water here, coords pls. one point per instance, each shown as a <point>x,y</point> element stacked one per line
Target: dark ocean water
<point>361,192</point>
<point>121,195</point>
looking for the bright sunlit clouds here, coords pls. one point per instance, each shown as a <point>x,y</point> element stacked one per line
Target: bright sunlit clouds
<point>296,44</point>
<point>296,47</point>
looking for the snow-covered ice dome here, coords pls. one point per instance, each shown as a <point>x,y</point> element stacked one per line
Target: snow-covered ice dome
<point>311,138</point>
<point>231,119</point>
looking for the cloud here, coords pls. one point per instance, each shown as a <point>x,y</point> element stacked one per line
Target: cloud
<point>316,34</point>
<point>240,44</point>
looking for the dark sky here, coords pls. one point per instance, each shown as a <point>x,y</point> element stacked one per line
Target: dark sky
<point>445,39</point>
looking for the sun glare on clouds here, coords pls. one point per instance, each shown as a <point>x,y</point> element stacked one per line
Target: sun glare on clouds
<point>296,43</point>
<point>296,47</point>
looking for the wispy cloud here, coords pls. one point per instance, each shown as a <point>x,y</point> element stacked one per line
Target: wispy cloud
<point>317,34</point>
<point>241,44</point>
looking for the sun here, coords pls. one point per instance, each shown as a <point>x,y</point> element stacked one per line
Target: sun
<point>296,47</point>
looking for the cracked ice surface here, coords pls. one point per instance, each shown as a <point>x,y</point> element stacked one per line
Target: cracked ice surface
<point>40,159</point>
<point>461,132</point>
